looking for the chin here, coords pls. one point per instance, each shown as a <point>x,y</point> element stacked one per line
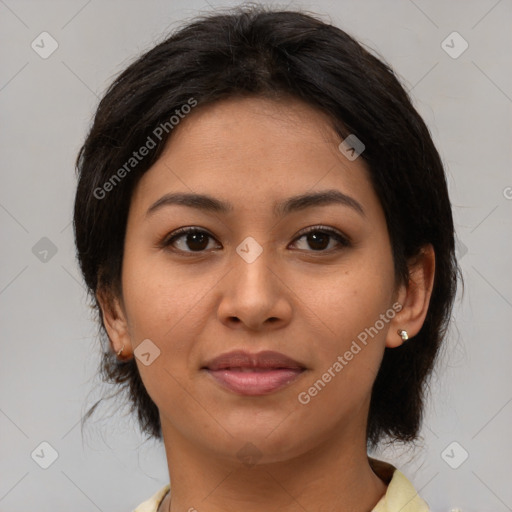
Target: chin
<point>253,445</point>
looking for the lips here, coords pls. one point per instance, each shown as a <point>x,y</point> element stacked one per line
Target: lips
<point>253,374</point>
<point>260,361</point>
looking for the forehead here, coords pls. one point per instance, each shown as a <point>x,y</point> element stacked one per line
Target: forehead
<point>253,150</point>
<point>248,125</point>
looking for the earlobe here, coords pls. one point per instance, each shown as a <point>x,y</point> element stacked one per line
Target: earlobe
<point>114,320</point>
<point>414,296</point>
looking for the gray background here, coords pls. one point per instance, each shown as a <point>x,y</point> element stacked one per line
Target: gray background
<point>49,350</point>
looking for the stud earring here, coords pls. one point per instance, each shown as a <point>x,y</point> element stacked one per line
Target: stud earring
<point>403,334</point>
<point>120,351</point>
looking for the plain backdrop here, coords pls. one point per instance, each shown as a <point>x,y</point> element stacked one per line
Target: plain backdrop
<point>49,349</point>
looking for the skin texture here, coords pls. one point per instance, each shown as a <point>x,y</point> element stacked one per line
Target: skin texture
<point>308,304</point>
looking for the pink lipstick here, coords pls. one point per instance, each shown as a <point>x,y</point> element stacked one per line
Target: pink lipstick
<point>254,374</point>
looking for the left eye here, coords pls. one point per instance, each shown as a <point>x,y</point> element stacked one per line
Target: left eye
<point>318,238</point>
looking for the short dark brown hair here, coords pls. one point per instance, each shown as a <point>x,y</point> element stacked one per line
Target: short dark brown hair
<point>258,51</point>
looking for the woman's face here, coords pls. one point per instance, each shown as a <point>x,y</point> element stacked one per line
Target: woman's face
<point>252,279</point>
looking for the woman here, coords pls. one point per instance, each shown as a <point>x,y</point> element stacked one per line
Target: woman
<point>263,222</point>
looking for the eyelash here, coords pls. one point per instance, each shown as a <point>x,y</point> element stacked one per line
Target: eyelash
<point>342,240</point>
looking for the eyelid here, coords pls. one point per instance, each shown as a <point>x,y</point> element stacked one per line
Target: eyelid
<point>326,229</point>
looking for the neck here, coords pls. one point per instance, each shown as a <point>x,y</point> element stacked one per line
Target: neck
<point>333,477</point>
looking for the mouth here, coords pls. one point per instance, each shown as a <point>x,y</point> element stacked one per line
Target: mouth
<point>253,374</point>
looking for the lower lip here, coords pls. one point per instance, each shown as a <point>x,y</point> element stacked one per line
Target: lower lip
<point>255,383</point>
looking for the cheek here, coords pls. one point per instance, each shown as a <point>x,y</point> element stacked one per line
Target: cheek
<point>163,305</point>
<point>349,353</point>
<point>355,308</point>
<point>351,299</point>
<point>158,297</point>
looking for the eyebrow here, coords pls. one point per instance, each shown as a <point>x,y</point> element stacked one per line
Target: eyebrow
<point>290,205</point>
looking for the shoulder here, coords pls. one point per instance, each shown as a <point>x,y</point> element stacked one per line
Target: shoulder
<point>401,494</point>
<point>152,504</point>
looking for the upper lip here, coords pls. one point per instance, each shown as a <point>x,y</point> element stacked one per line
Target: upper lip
<point>243,359</point>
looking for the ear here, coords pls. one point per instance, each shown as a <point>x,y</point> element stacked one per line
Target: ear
<point>114,319</point>
<point>414,297</point>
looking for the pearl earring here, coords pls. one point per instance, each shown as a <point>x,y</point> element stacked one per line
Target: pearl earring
<point>403,334</point>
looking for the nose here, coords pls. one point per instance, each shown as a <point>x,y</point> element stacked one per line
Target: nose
<point>254,296</point>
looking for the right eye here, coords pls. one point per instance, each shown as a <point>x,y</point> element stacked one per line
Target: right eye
<point>196,240</point>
